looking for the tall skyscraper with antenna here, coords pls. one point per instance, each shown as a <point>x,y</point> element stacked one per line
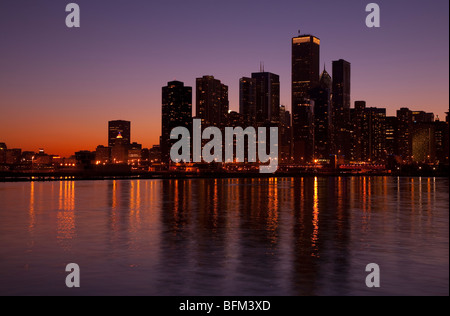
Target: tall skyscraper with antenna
<point>267,97</point>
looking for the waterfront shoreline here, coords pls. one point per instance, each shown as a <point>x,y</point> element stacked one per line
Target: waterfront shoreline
<point>213,175</point>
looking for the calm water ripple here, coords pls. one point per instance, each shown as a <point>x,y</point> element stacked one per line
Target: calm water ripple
<point>285,236</point>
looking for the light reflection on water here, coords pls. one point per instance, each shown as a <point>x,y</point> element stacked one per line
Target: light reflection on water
<point>277,236</point>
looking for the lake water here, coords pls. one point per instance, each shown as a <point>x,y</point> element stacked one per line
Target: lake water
<point>285,236</point>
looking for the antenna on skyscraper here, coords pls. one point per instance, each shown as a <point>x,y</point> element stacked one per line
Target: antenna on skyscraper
<point>299,33</point>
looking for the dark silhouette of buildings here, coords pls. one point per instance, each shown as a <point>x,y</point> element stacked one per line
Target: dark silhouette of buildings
<point>321,128</point>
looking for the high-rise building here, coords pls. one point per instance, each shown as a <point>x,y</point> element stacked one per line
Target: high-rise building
<point>176,112</point>
<point>368,134</point>
<point>119,127</point>
<point>322,106</point>
<point>341,108</point>
<point>405,125</point>
<point>305,76</point>
<point>391,136</point>
<point>282,114</point>
<point>119,152</point>
<point>247,100</point>
<point>360,135</point>
<point>376,118</point>
<point>267,101</point>
<point>285,135</point>
<point>212,102</point>
<point>423,142</point>
<point>305,66</point>
<point>442,142</point>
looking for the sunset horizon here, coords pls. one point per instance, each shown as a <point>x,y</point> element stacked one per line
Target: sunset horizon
<point>60,87</point>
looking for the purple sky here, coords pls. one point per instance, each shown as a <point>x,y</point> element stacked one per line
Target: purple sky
<point>60,86</point>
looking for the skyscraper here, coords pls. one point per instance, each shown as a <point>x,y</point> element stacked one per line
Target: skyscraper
<point>441,141</point>
<point>119,127</point>
<point>305,66</point>
<point>247,100</point>
<point>285,132</point>
<point>368,138</point>
<point>322,106</point>
<point>341,107</point>
<point>377,134</point>
<point>305,76</point>
<point>405,125</point>
<point>423,135</point>
<point>212,102</point>
<point>360,135</point>
<point>423,142</point>
<point>267,92</point>
<point>391,136</point>
<point>176,112</point>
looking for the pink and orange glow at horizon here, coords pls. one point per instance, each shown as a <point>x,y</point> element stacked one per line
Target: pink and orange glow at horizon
<point>59,87</point>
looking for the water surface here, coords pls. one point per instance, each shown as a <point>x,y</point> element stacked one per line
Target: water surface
<point>285,236</point>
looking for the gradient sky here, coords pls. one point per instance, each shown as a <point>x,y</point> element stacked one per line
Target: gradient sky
<point>60,86</point>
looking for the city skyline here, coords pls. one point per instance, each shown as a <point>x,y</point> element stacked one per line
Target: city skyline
<point>374,138</point>
<point>66,119</point>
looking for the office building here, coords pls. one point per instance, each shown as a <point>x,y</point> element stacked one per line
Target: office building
<point>341,108</point>
<point>119,127</point>
<point>176,112</point>
<point>322,106</point>
<point>305,76</point>
<point>212,102</point>
<point>267,94</point>
<point>247,100</point>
